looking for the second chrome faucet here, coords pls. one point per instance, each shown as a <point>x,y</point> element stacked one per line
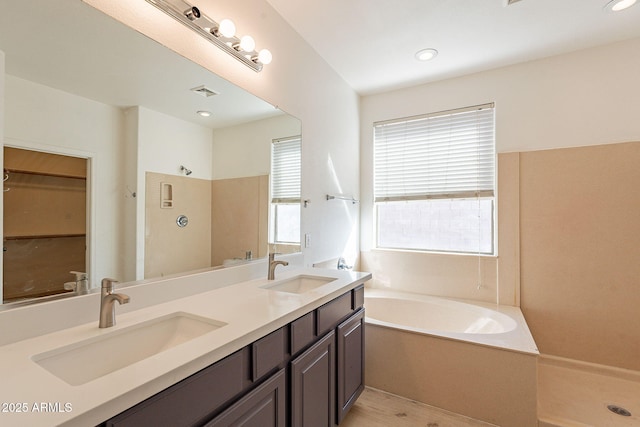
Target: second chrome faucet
<point>107,303</point>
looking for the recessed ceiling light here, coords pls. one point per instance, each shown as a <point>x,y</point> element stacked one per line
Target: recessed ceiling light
<point>204,113</point>
<point>618,5</point>
<point>426,54</point>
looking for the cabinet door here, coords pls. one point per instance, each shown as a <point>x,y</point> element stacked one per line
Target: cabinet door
<point>263,407</point>
<point>313,385</point>
<point>350,346</point>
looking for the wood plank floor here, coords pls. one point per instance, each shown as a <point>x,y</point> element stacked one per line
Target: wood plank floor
<point>376,408</point>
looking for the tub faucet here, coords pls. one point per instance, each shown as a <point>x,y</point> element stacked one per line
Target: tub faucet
<point>107,303</point>
<point>272,266</point>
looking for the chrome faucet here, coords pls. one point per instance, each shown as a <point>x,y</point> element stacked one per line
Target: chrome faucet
<point>107,303</point>
<point>273,264</point>
<point>80,285</point>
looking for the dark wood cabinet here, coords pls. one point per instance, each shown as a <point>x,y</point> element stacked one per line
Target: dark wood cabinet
<point>263,407</point>
<point>335,363</point>
<point>350,362</point>
<point>193,399</point>
<point>313,377</point>
<point>305,374</point>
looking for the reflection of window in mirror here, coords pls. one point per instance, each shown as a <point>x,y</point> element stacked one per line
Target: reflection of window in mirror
<point>45,197</point>
<point>284,221</point>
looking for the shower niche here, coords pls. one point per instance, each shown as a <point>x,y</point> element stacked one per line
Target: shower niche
<point>45,215</point>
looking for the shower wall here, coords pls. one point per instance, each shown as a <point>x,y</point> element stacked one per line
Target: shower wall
<point>579,261</point>
<point>169,248</point>
<point>227,218</point>
<point>239,218</point>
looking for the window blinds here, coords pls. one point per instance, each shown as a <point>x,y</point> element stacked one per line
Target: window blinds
<point>285,170</point>
<point>441,155</point>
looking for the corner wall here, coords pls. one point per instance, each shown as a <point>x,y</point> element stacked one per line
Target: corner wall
<point>245,150</point>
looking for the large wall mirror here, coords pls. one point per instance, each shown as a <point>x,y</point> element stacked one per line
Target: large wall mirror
<point>107,160</point>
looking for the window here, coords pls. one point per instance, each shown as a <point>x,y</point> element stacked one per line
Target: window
<point>434,181</point>
<point>285,190</point>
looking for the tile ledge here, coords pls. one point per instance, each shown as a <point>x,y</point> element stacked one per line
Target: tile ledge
<point>593,368</point>
<point>557,422</point>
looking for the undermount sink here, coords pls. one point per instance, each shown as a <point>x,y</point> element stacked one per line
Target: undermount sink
<point>93,358</point>
<point>299,284</point>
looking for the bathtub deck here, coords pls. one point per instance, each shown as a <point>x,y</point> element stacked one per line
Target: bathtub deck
<point>377,408</point>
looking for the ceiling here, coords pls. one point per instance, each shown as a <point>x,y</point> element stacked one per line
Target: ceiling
<point>80,50</point>
<point>372,43</point>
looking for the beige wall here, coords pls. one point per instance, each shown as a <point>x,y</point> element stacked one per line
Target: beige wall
<point>580,265</point>
<point>226,218</point>
<point>239,218</point>
<point>568,235</point>
<point>168,248</point>
<point>478,381</point>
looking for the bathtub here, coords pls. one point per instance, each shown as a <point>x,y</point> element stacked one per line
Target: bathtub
<point>479,323</point>
<point>475,359</point>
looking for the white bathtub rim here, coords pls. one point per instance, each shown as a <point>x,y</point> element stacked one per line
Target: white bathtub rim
<point>500,323</point>
<point>519,340</point>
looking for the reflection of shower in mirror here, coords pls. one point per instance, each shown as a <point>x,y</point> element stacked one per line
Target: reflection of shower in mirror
<point>185,170</point>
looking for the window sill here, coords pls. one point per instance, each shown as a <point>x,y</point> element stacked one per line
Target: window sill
<point>434,253</point>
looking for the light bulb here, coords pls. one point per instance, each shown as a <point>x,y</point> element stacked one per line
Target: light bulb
<point>426,54</point>
<point>227,28</point>
<point>247,43</point>
<point>618,5</point>
<point>265,56</point>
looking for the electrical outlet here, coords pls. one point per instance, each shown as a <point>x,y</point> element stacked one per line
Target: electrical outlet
<point>307,240</point>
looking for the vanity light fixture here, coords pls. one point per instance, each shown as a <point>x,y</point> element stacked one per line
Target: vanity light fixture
<point>426,54</point>
<point>618,5</point>
<point>192,13</point>
<point>221,34</point>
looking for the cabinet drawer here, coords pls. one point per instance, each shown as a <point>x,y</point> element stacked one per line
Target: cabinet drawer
<point>268,353</point>
<point>191,400</point>
<point>332,312</point>
<point>302,332</point>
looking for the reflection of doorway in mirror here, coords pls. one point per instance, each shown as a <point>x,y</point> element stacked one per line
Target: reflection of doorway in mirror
<point>45,204</point>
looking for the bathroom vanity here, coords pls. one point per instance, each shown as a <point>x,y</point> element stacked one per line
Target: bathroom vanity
<point>293,370</point>
<point>195,350</point>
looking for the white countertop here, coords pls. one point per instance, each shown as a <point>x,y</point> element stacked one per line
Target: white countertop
<point>249,311</point>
